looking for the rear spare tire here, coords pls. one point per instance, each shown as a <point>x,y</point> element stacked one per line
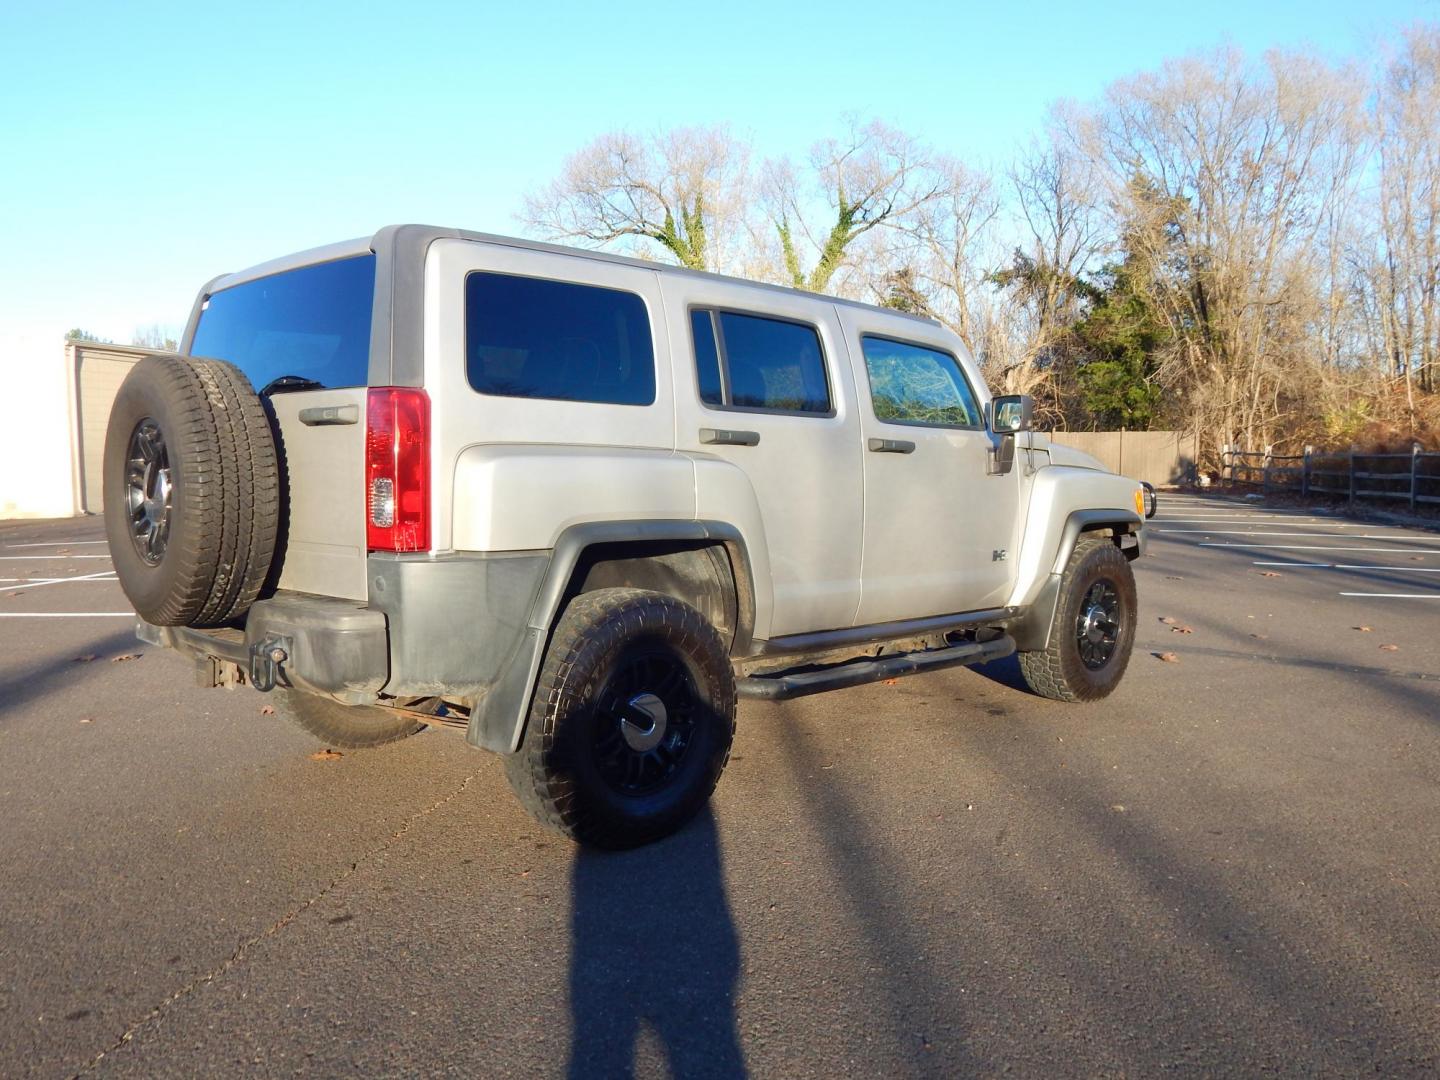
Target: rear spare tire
<point>191,491</point>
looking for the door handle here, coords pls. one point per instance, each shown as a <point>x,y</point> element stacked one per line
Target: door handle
<point>724,437</point>
<point>892,446</point>
<point>328,415</point>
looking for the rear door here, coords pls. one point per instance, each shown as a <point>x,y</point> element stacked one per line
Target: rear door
<point>762,384</point>
<point>302,338</point>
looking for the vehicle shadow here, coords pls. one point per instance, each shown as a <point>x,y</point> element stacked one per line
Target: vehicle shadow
<point>654,947</point>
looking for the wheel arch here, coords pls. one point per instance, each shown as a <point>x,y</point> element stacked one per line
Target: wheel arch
<point>704,563</point>
<point>1031,629</point>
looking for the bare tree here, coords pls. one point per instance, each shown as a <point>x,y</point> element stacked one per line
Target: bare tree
<point>875,176</point>
<point>1225,170</point>
<point>682,191</point>
<point>155,337</point>
<point>1405,270</point>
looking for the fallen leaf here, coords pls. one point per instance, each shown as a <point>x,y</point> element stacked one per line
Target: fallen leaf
<point>267,710</point>
<point>1119,808</point>
<point>1417,558</point>
<point>1269,573</point>
<point>15,593</point>
<point>891,682</point>
<point>1168,657</point>
<point>83,658</point>
<point>1262,637</point>
<point>1389,648</point>
<point>1168,621</point>
<point>1173,577</point>
<point>1178,629</point>
<point>86,720</point>
<point>63,551</point>
<point>126,656</point>
<point>326,755</point>
<point>1362,629</point>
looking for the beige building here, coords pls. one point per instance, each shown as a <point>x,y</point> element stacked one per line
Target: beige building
<point>53,442</point>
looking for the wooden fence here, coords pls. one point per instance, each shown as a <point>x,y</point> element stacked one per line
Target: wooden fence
<point>1412,478</point>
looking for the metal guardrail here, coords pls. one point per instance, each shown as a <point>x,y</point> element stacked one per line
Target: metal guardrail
<point>1413,477</point>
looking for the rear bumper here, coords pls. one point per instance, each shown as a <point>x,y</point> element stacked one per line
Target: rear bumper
<point>315,643</point>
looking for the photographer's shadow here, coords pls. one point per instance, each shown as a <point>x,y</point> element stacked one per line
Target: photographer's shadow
<point>654,945</point>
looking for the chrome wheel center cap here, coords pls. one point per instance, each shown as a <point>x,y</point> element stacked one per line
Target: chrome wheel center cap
<point>1095,624</point>
<point>644,724</point>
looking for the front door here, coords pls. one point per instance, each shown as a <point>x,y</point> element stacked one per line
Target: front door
<point>940,523</point>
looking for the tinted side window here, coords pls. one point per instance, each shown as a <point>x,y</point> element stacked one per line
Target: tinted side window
<point>535,338</point>
<point>707,358</point>
<point>313,322</point>
<point>910,384</point>
<point>763,363</point>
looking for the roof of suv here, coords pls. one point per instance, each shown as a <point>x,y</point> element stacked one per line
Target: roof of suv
<point>422,235</point>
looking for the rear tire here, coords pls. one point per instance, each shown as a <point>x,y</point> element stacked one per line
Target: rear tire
<point>632,720</point>
<point>191,491</point>
<point>1094,629</point>
<point>350,727</point>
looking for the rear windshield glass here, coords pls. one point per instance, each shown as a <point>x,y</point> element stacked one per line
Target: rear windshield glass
<point>312,323</point>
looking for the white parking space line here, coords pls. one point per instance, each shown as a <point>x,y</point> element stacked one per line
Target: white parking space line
<point>60,543</point>
<point>1313,535</point>
<point>1312,522</point>
<point>103,575</point>
<point>1397,595</point>
<point>1320,547</point>
<point>48,558</point>
<point>1349,566</point>
<point>67,614</point>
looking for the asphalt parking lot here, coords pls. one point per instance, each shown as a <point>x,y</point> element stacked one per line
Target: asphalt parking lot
<point>1230,866</point>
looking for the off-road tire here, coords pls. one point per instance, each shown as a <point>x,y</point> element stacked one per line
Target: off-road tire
<point>554,772</point>
<point>225,495</point>
<point>349,727</point>
<point>1058,671</point>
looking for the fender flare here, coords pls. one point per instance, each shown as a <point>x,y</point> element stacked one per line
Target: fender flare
<point>1031,630</point>
<point>498,721</point>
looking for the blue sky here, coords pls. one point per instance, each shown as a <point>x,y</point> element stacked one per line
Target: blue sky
<point>146,147</point>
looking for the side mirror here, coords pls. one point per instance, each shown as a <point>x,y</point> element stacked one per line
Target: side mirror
<point>1010,413</point>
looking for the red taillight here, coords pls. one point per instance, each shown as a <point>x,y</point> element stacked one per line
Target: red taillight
<point>397,469</point>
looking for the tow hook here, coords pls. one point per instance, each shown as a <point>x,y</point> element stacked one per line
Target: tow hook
<point>266,657</point>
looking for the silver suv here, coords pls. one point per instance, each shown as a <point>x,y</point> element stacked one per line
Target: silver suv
<point>576,504</point>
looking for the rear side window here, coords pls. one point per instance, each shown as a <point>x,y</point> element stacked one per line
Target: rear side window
<point>753,362</point>
<point>910,384</point>
<point>536,338</point>
<point>312,323</point>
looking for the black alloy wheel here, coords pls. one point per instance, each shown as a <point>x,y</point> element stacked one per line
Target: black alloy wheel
<point>147,491</point>
<point>645,720</point>
<point>1097,625</point>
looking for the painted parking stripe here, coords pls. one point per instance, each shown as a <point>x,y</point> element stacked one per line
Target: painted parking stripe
<point>1350,566</point>
<point>61,543</point>
<point>103,575</point>
<point>49,558</point>
<point>67,614</point>
<point>1314,523</point>
<point>1397,595</point>
<point>1312,535</point>
<point>1321,547</point>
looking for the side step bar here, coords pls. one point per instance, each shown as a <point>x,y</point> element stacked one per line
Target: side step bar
<point>858,672</point>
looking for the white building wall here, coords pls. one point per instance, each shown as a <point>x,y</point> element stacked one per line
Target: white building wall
<point>37,477</point>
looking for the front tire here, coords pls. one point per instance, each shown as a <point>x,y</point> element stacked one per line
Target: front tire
<point>1094,629</point>
<point>631,722</point>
